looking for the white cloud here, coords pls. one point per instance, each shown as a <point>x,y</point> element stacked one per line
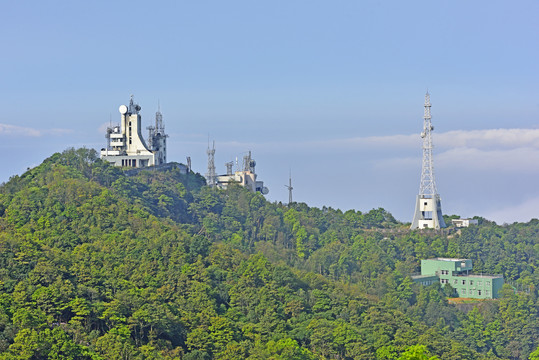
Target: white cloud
<point>492,149</point>
<point>481,139</point>
<point>503,160</point>
<point>7,129</point>
<point>489,138</point>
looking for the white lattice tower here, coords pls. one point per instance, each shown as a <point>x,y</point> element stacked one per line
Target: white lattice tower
<point>427,185</point>
<point>428,208</point>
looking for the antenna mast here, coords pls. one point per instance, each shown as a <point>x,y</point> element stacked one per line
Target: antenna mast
<point>428,211</point>
<point>210,176</point>
<point>290,188</point>
<point>427,185</point>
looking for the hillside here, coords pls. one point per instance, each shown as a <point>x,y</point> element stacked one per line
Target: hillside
<point>95,264</point>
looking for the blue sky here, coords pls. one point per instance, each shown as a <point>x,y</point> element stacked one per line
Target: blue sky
<point>333,91</point>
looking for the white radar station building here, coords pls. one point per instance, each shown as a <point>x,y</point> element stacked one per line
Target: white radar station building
<point>126,146</point>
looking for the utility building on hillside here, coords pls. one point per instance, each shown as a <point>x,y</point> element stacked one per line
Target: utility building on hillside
<point>245,177</point>
<point>456,272</point>
<point>464,222</point>
<point>126,146</point>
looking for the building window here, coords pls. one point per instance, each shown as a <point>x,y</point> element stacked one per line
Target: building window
<point>445,272</point>
<point>479,283</point>
<point>479,292</point>
<point>487,293</point>
<point>444,281</point>
<point>455,281</point>
<point>463,282</point>
<point>463,291</point>
<point>471,282</point>
<point>487,283</point>
<point>471,292</point>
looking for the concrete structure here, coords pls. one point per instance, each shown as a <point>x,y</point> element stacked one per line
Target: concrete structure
<point>428,207</point>
<point>464,222</point>
<point>456,272</point>
<point>126,146</point>
<point>246,177</point>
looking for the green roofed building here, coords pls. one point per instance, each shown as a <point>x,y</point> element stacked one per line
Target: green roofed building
<point>457,273</point>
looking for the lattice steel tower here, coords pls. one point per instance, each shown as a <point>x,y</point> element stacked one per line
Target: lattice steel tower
<point>210,176</point>
<point>290,188</point>
<point>428,208</point>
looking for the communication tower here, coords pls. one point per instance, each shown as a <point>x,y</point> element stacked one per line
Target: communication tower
<point>188,164</point>
<point>229,166</point>
<point>157,139</point>
<point>248,163</point>
<point>290,188</point>
<point>428,208</point>
<point>211,176</point>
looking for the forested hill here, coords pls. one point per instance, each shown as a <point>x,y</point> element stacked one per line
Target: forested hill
<point>98,265</point>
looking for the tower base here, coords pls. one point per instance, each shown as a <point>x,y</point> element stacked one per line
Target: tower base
<point>428,213</point>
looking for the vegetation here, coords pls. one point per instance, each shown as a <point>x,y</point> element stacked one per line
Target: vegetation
<point>98,265</point>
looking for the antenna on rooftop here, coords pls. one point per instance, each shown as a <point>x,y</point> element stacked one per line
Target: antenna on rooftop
<point>229,166</point>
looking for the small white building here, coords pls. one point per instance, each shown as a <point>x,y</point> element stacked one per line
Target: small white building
<point>245,177</point>
<point>464,222</point>
<point>126,146</point>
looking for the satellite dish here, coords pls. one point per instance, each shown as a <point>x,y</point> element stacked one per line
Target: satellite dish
<point>265,191</point>
<point>422,134</point>
<point>123,109</point>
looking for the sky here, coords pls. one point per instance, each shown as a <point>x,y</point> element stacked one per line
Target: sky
<point>329,91</point>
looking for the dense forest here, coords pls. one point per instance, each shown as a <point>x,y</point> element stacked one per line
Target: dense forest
<point>95,264</point>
